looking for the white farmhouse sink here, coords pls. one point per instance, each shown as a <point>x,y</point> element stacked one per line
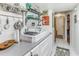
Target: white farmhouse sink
<point>34,36</point>
<point>31,33</point>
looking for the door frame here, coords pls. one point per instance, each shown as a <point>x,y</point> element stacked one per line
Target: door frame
<point>55,27</point>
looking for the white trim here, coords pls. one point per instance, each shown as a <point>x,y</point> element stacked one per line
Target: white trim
<point>9,14</point>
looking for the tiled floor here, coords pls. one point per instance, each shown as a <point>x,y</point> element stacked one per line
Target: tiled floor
<point>63,43</point>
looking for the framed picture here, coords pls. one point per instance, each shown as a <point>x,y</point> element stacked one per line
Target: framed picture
<point>45,20</point>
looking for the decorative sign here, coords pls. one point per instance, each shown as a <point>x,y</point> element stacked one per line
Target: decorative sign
<point>45,20</point>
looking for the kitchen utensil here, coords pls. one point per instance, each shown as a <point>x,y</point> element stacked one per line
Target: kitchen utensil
<point>6,26</point>
<point>18,25</point>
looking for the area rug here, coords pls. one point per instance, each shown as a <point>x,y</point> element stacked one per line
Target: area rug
<point>62,52</point>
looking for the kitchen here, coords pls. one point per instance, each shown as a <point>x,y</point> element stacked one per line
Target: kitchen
<point>35,29</point>
<point>21,31</point>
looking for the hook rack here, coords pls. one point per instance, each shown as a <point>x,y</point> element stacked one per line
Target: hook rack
<point>10,16</point>
<point>7,21</point>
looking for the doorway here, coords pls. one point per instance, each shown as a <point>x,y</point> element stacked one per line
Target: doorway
<point>59,26</point>
<point>68,28</point>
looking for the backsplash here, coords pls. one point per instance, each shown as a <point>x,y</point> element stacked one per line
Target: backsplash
<point>9,32</point>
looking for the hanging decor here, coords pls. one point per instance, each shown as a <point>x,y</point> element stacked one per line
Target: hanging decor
<point>45,20</point>
<point>18,25</point>
<point>45,12</point>
<point>28,5</point>
<point>6,26</point>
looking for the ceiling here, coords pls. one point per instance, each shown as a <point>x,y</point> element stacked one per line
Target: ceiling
<point>57,7</point>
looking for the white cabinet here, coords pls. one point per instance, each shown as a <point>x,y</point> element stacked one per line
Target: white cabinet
<point>43,49</point>
<point>28,54</point>
<point>46,46</point>
<point>50,44</point>
<point>35,51</point>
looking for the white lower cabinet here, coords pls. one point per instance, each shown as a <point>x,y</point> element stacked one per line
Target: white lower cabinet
<point>35,51</point>
<point>43,49</point>
<point>28,54</point>
<point>50,44</point>
<point>46,46</point>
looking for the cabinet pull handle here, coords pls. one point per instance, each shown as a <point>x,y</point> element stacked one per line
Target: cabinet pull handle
<point>31,54</point>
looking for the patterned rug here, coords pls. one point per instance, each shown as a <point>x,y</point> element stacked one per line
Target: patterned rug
<point>62,52</point>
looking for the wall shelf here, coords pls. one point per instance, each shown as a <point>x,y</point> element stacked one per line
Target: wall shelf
<point>34,11</point>
<point>12,8</point>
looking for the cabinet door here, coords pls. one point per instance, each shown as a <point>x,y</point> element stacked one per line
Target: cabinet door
<point>50,38</point>
<point>35,51</point>
<point>28,54</point>
<point>44,47</point>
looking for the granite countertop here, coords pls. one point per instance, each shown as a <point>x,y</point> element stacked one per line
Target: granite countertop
<point>21,48</point>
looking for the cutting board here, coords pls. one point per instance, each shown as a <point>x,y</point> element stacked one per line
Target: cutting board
<point>7,44</point>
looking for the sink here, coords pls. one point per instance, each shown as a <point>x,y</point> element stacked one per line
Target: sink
<point>31,33</point>
<point>33,37</point>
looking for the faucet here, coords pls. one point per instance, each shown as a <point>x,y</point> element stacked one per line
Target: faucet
<point>26,29</point>
<point>39,25</point>
<point>39,28</point>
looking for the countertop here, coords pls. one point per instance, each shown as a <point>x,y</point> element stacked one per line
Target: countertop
<point>21,48</point>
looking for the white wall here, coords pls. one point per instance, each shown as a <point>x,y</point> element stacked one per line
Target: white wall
<point>49,27</point>
<point>50,20</point>
<point>65,28</point>
<point>75,31</point>
<point>72,31</point>
<point>10,32</point>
